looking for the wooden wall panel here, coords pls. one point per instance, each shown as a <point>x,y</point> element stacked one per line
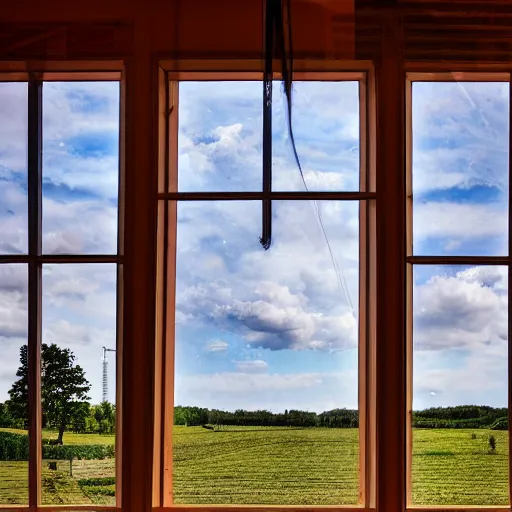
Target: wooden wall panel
<point>189,28</point>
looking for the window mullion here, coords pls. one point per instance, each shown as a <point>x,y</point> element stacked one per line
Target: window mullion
<point>509,297</point>
<point>266,218</point>
<point>35,88</point>
<point>391,270</point>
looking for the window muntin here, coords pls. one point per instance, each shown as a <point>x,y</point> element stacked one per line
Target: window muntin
<point>458,213</point>
<point>169,219</point>
<point>67,169</point>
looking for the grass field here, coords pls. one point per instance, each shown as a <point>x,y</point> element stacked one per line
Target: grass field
<point>265,466</point>
<point>320,466</point>
<point>59,487</point>
<point>287,466</point>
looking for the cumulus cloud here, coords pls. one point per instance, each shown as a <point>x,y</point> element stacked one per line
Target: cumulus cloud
<point>286,298</point>
<point>269,326</point>
<point>465,310</point>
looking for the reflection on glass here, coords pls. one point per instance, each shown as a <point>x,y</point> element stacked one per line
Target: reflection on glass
<point>460,427</point>
<point>220,136</point>
<point>13,386</point>
<point>78,384</point>
<point>80,167</point>
<point>460,168</point>
<point>13,168</point>
<point>266,355</point>
<point>325,120</point>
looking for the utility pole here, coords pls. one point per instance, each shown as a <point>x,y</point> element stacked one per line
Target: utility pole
<point>105,371</point>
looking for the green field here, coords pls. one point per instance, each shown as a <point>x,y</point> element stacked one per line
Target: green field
<point>59,487</point>
<point>320,466</point>
<point>283,465</point>
<point>266,465</point>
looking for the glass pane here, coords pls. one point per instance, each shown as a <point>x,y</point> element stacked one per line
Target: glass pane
<point>13,168</point>
<point>220,136</point>
<point>78,384</point>
<point>13,385</point>
<point>80,167</point>
<point>460,168</point>
<point>325,120</point>
<point>266,355</point>
<point>460,388</point>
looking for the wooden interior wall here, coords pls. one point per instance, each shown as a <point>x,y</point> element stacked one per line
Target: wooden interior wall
<point>140,32</point>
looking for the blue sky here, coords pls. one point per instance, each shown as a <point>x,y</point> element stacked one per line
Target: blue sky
<point>273,329</point>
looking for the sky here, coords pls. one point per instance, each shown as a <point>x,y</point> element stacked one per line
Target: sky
<point>272,329</point>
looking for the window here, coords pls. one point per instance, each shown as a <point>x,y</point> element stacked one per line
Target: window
<point>265,387</point>
<point>458,284</point>
<point>60,268</point>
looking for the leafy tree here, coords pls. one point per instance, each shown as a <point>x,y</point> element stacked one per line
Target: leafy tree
<point>64,389</point>
<point>105,417</point>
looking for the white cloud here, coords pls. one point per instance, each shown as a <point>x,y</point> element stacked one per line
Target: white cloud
<point>13,126</point>
<point>477,376</point>
<point>241,383</point>
<point>457,223</point>
<point>62,332</point>
<point>460,135</point>
<point>254,366</point>
<point>466,310</point>
<point>314,391</point>
<point>81,227</point>
<point>217,346</point>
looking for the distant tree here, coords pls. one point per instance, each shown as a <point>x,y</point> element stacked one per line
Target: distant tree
<point>492,443</point>
<point>105,417</point>
<point>6,419</point>
<point>64,388</point>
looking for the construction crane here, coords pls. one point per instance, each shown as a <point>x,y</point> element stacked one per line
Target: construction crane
<point>105,372</point>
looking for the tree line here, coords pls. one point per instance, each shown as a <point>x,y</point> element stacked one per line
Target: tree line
<point>336,418</point>
<point>64,396</point>
<point>462,416</point>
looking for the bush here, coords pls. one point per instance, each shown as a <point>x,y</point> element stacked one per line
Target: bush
<point>99,491</point>
<point>79,451</point>
<point>15,447</point>
<point>95,482</point>
<point>492,444</point>
<point>500,424</point>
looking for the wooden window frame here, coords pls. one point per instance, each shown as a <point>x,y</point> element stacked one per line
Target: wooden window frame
<point>448,72</point>
<point>170,73</point>
<point>35,73</point>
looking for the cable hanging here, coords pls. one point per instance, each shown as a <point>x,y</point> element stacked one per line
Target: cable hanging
<point>278,36</point>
